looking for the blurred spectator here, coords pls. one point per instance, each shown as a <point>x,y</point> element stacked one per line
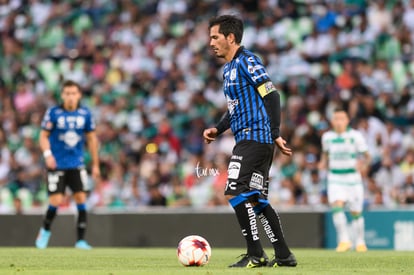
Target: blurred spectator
<point>406,192</point>
<point>374,131</point>
<point>24,99</point>
<point>317,46</point>
<point>388,179</point>
<point>408,15</point>
<point>5,164</point>
<point>395,135</point>
<point>407,163</point>
<point>380,17</point>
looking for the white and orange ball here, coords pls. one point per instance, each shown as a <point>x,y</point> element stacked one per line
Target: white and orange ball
<point>193,250</point>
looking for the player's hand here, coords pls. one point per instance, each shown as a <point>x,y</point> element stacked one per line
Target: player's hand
<point>362,167</point>
<point>210,135</point>
<point>50,162</point>
<point>281,144</point>
<point>321,165</point>
<point>96,172</point>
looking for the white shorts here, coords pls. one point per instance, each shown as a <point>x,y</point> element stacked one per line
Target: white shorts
<point>351,194</point>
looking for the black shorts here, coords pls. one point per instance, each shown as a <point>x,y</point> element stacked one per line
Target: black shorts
<point>249,167</point>
<point>75,179</point>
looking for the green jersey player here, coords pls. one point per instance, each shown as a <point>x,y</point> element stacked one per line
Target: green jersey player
<point>342,148</point>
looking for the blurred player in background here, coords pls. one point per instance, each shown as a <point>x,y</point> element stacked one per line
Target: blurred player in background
<point>65,129</point>
<point>342,148</point>
<point>254,118</point>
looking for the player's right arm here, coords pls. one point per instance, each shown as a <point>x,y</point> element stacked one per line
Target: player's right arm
<point>44,143</point>
<point>210,134</point>
<point>45,147</point>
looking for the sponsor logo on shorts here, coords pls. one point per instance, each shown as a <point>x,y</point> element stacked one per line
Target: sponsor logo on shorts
<point>231,185</point>
<point>234,170</point>
<point>256,181</point>
<point>237,157</point>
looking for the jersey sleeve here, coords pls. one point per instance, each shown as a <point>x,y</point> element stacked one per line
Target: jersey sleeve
<point>361,143</point>
<point>47,121</point>
<point>324,142</point>
<point>254,71</point>
<point>90,122</point>
<point>256,74</point>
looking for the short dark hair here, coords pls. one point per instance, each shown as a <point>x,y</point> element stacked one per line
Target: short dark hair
<point>70,83</point>
<point>228,24</point>
<point>338,109</point>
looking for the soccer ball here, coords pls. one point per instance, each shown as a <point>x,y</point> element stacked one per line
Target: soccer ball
<point>193,251</point>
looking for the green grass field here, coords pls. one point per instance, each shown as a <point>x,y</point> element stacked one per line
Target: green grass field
<point>164,261</point>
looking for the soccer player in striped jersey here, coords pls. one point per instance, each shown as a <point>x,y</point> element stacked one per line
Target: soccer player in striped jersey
<point>254,118</point>
<point>65,130</point>
<point>345,154</point>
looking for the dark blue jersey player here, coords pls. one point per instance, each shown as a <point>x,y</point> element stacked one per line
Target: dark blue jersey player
<point>244,77</point>
<point>253,114</point>
<point>66,130</point>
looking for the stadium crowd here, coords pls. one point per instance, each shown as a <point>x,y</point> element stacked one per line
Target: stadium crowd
<point>151,81</point>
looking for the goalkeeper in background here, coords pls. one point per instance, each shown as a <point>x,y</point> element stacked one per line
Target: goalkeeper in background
<point>65,130</point>
<point>341,150</point>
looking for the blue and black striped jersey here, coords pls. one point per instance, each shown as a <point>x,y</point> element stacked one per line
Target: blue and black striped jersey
<point>248,117</point>
<point>67,134</point>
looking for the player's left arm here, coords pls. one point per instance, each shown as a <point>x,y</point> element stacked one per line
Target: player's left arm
<point>93,147</point>
<point>364,160</point>
<point>92,144</point>
<point>367,157</point>
<point>363,163</point>
<point>271,100</point>
<point>257,76</point>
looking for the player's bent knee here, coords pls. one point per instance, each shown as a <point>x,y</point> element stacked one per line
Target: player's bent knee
<point>262,203</point>
<point>229,197</point>
<point>236,200</point>
<point>251,196</point>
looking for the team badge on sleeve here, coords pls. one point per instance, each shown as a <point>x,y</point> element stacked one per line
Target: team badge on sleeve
<point>253,69</point>
<point>266,88</point>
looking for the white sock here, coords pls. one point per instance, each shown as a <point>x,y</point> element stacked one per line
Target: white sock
<point>358,227</point>
<point>340,222</point>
